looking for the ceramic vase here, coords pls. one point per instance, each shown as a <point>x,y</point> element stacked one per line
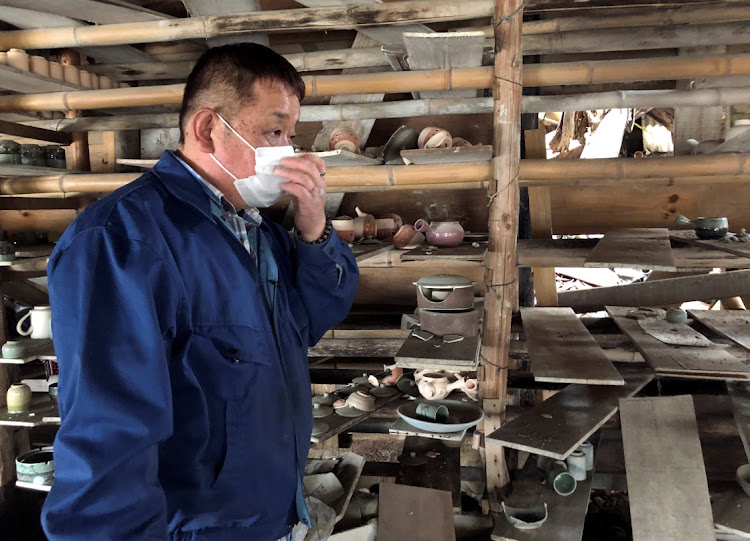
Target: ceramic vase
<point>17,58</point>
<point>443,234</point>
<point>18,398</point>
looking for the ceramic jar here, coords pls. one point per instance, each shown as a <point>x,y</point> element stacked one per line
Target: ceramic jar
<point>40,326</point>
<point>365,226</point>
<point>10,152</point>
<point>445,292</point>
<point>576,462</point>
<point>56,71</point>
<point>17,58</point>
<point>13,349</point>
<point>471,388</point>
<point>85,78</point>
<point>39,65</point>
<point>432,137</point>
<point>54,156</point>
<point>344,227</point>
<point>436,386</point>
<point>71,75</point>
<point>361,400</point>
<point>385,228</point>
<point>32,155</point>
<point>343,138</point>
<point>738,128</point>
<point>18,398</point>
<point>442,234</point>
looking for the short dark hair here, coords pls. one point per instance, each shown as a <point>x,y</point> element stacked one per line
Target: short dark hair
<point>223,76</point>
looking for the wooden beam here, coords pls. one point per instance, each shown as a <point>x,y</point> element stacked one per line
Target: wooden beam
<point>200,8</point>
<point>77,154</point>
<point>30,132</point>
<point>659,292</point>
<point>89,10</point>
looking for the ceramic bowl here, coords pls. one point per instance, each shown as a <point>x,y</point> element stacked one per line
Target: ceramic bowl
<point>361,401</point>
<point>407,237</point>
<point>343,138</point>
<point>432,137</point>
<point>13,349</point>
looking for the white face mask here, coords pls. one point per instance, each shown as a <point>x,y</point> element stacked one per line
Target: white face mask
<point>262,189</point>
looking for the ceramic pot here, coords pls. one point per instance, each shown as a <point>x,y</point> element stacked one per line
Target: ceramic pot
<point>432,137</point>
<point>706,228</point>
<point>39,65</point>
<point>344,227</point>
<point>343,138</point>
<point>85,77</point>
<point>588,449</point>
<point>365,225</point>
<point>443,234</point>
<point>14,349</point>
<point>18,398</point>
<point>460,142</point>
<point>94,81</point>
<point>577,465</point>
<point>36,466</point>
<point>738,128</point>
<point>56,71</point>
<point>386,228</point>
<point>441,322</point>
<point>676,315</point>
<point>445,292</point>
<point>17,58</point>
<point>71,75</point>
<point>361,401</point>
<point>105,83</point>
<point>471,388</point>
<point>407,238</point>
<point>41,317</point>
<point>436,386</point>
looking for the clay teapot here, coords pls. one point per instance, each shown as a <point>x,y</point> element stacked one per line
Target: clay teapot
<point>706,228</point>
<point>443,234</point>
<point>436,386</point>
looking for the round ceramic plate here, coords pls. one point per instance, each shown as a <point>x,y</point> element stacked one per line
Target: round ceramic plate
<point>383,392</point>
<point>320,411</point>
<point>349,389</point>
<point>348,411</point>
<point>407,386</point>
<point>325,400</point>
<point>319,427</point>
<point>461,415</point>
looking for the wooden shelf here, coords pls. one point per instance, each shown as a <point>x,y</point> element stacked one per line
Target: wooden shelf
<point>26,82</point>
<point>39,350</point>
<point>19,170</point>
<point>33,486</point>
<point>41,410</point>
<point>338,424</point>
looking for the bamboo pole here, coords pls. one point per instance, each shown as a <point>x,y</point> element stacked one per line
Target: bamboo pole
<point>306,19</point>
<point>448,79</point>
<point>78,157</point>
<point>700,97</point>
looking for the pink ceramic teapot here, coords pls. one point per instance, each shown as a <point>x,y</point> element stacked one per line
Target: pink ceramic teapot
<point>444,234</point>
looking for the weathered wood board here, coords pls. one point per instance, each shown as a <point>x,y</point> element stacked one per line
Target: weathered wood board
<point>562,350</point>
<point>562,422</point>
<point>433,156</point>
<point>462,252</point>
<point>734,324</point>
<point>739,395</point>
<point>667,484</point>
<point>674,334</point>
<point>566,517</point>
<point>677,361</point>
<point>638,248</point>
<point>414,513</point>
<point>337,423</point>
<point>434,353</point>
<point>689,237</point>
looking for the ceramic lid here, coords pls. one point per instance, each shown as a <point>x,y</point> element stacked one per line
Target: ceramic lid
<point>444,281</point>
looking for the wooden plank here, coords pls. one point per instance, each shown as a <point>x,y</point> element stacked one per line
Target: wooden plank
<point>739,394</point>
<point>660,292</point>
<point>414,513</point>
<point>741,249</point>
<point>441,472</point>
<point>562,350</point>
<point>26,82</point>
<point>637,248</point>
<point>338,423</point>
<point>366,251</point>
<point>89,10</point>
<point>709,362</point>
<point>30,132</point>
<point>566,514</point>
<point>674,334</point>
<point>495,465</point>
<point>462,252</point>
<point>667,485</point>
<point>434,353</point>
<point>564,421</point>
<point>429,156</point>
<point>40,408</point>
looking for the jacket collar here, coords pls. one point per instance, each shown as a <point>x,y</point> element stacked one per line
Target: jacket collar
<point>181,183</point>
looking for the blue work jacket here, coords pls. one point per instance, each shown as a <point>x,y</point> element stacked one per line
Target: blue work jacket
<point>185,400</point>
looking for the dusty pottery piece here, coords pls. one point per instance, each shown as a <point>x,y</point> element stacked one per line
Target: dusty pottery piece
<point>576,462</point>
<point>37,466</point>
<point>56,71</point>
<point>402,139</point>
<point>319,427</point>
<point>363,380</point>
<point>17,58</point>
<point>408,386</point>
<point>343,138</point>
<point>52,390</point>
<point>71,75</point>
<point>706,228</point>
<point>105,82</point>
<point>557,475</point>
<point>344,227</point>
<point>362,401</point>
<point>432,137</point>
<point>382,391</point>
<point>743,477</point>
<point>85,77</point>
<point>422,335</point>
<point>340,403</point>
<point>386,228</point>
<point>526,518</point>
<point>39,65</point>
<point>320,411</point>
<point>676,315</point>
<point>460,292</point>
<point>460,142</point>
<point>3,58</point>
<point>325,399</point>
<point>40,327</point>
<point>471,388</point>
<point>365,225</point>
<point>588,449</point>
<point>18,398</point>
<point>412,459</point>
<point>349,411</point>
<point>396,219</point>
<point>94,81</point>
<point>452,338</point>
<point>436,386</point>
<point>442,234</point>
<point>442,323</point>
<point>14,349</point>
<point>461,416</point>
<point>436,413</point>
<point>7,251</point>
<point>407,238</point>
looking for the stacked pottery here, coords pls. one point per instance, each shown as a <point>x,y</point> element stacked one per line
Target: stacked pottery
<point>343,138</point>
<point>366,226</point>
<point>437,384</point>
<point>445,305</point>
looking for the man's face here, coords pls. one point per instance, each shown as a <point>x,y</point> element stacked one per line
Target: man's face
<point>268,121</point>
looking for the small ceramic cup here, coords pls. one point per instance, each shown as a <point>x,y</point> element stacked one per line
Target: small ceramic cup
<point>344,227</point>
<point>588,449</point>
<point>433,412</point>
<point>577,465</point>
<point>432,137</point>
<point>343,138</point>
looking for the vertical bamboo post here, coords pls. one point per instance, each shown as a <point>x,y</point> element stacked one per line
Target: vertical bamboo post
<point>500,277</point>
<point>78,151</point>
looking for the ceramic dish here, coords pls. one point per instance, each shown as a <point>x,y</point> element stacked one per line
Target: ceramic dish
<point>349,411</point>
<point>319,411</point>
<point>319,427</point>
<point>408,386</point>
<point>325,399</point>
<point>383,391</point>
<point>461,416</point>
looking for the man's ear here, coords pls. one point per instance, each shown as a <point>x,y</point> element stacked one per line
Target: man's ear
<point>203,125</point>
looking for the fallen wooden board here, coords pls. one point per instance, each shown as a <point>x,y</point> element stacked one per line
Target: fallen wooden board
<point>674,334</point>
<point>434,353</point>
<point>436,156</point>
<point>709,362</point>
<point>463,252</point>
<point>564,421</point>
<point>734,324</point>
<point>562,350</point>
<point>567,514</point>
<point>660,292</point>
<point>667,485</point>
<point>638,248</point>
<point>689,237</point>
<point>414,513</point>
<point>739,394</point>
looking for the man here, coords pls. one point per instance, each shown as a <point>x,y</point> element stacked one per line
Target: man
<point>182,319</point>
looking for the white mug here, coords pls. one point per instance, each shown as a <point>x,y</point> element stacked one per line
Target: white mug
<point>40,327</point>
